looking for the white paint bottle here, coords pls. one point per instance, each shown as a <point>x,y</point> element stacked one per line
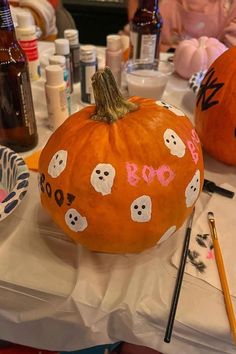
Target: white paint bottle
<point>62,47</point>
<point>56,96</point>
<point>114,56</point>
<point>61,61</point>
<point>26,36</point>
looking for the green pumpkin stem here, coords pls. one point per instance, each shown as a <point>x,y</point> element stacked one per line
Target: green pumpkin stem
<point>110,105</point>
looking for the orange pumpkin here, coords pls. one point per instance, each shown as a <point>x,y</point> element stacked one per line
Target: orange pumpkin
<point>120,176</point>
<point>215,113</point>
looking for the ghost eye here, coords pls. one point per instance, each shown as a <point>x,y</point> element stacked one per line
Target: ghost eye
<point>172,136</point>
<point>136,207</point>
<point>76,218</point>
<point>143,206</point>
<point>57,156</point>
<point>167,140</point>
<point>70,216</point>
<point>106,173</point>
<point>98,172</point>
<point>197,179</point>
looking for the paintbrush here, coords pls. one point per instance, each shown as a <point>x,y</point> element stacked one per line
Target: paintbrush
<point>179,279</point>
<point>222,275</point>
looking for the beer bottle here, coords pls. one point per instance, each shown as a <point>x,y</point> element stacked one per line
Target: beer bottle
<point>145,30</point>
<point>17,119</point>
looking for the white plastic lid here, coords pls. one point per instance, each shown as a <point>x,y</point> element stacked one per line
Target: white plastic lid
<point>88,53</point>
<point>57,60</point>
<point>72,35</point>
<point>62,46</point>
<point>54,75</point>
<point>24,20</point>
<point>113,42</point>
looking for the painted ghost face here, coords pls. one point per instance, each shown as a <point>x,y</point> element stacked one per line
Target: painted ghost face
<point>75,221</point>
<point>141,209</point>
<point>57,163</point>
<point>167,234</point>
<point>171,108</point>
<point>192,190</point>
<point>174,143</point>
<point>102,178</point>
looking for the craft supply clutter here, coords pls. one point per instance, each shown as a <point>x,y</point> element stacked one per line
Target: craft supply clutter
<point>121,169</point>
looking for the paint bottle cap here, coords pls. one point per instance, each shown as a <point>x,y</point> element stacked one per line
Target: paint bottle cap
<point>57,60</point>
<point>54,75</point>
<point>88,53</point>
<point>72,35</point>
<point>62,46</point>
<point>24,20</point>
<point>113,42</point>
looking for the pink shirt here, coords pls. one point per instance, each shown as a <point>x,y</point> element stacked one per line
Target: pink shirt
<point>195,18</point>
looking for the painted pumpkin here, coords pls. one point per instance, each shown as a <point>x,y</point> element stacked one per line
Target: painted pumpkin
<point>120,176</point>
<point>193,55</point>
<point>215,113</point>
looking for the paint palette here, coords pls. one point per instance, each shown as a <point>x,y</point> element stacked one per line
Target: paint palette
<point>14,181</point>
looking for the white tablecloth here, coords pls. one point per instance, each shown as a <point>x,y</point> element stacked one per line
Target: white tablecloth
<point>57,295</point>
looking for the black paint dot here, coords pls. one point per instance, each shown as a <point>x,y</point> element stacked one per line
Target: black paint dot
<point>135,207</point>
<point>10,206</point>
<point>139,212</point>
<point>22,184</point>
<point>98,172</point>
<point>100,177</point>
<point>143,206</point>
<point>174,142</point>
<point>235,132</point>
<point>75,218</point>
<point>10,196</point>
<point>70,216</point>
<point>60,162</point>
<point>172,136</point>
<point>106,173</point>
<point>72,223</point>
<point>167,140</point>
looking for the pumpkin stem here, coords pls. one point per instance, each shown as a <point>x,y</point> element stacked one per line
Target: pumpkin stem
<point>110,105</point>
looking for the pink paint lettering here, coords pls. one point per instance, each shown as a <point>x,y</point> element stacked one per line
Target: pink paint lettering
<point>148,173</point>
<point>165,175</point>
<point>195,138</point>
<point>193,151</point>
<point>132,168</point>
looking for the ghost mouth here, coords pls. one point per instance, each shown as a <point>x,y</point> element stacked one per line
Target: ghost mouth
<point>101,178</point>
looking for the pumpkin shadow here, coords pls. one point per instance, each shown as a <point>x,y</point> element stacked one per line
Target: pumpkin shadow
<point>189,102</point>
<point>224,173</point>
<point>58,243</point>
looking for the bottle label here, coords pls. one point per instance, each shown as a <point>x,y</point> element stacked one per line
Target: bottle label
<point>87,71</point>
<point>30,48</point>
<point>6,19</point>
<point>26,101</point>
<point>144,45</point>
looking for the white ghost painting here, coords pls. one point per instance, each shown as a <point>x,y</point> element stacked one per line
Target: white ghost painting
<point>102,178</point>
<point>171,108</point>
<point>75,221</point>
<point>174,143</point>
<point>141,209</point>
<point>167,234</point>
<point>57,163</point>
<point>192,190</point>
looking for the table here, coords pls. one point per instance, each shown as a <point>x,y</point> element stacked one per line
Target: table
<point>57,295</point>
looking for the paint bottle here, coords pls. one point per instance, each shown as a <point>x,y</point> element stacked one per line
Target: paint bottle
<point>62,47</point>
<point>26,35</point>
<point>73,37</point>
<point>88,66</point>
<point>114,56</point>
<point>56,96</point>
<point>61,61</point>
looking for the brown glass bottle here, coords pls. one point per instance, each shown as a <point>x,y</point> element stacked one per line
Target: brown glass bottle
<point>17,119</point>
<point>145,30</point>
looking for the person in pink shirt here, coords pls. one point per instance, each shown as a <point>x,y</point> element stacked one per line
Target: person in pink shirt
<point>185,19</point>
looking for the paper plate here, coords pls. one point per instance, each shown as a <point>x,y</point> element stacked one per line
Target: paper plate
<point>14,181</point>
